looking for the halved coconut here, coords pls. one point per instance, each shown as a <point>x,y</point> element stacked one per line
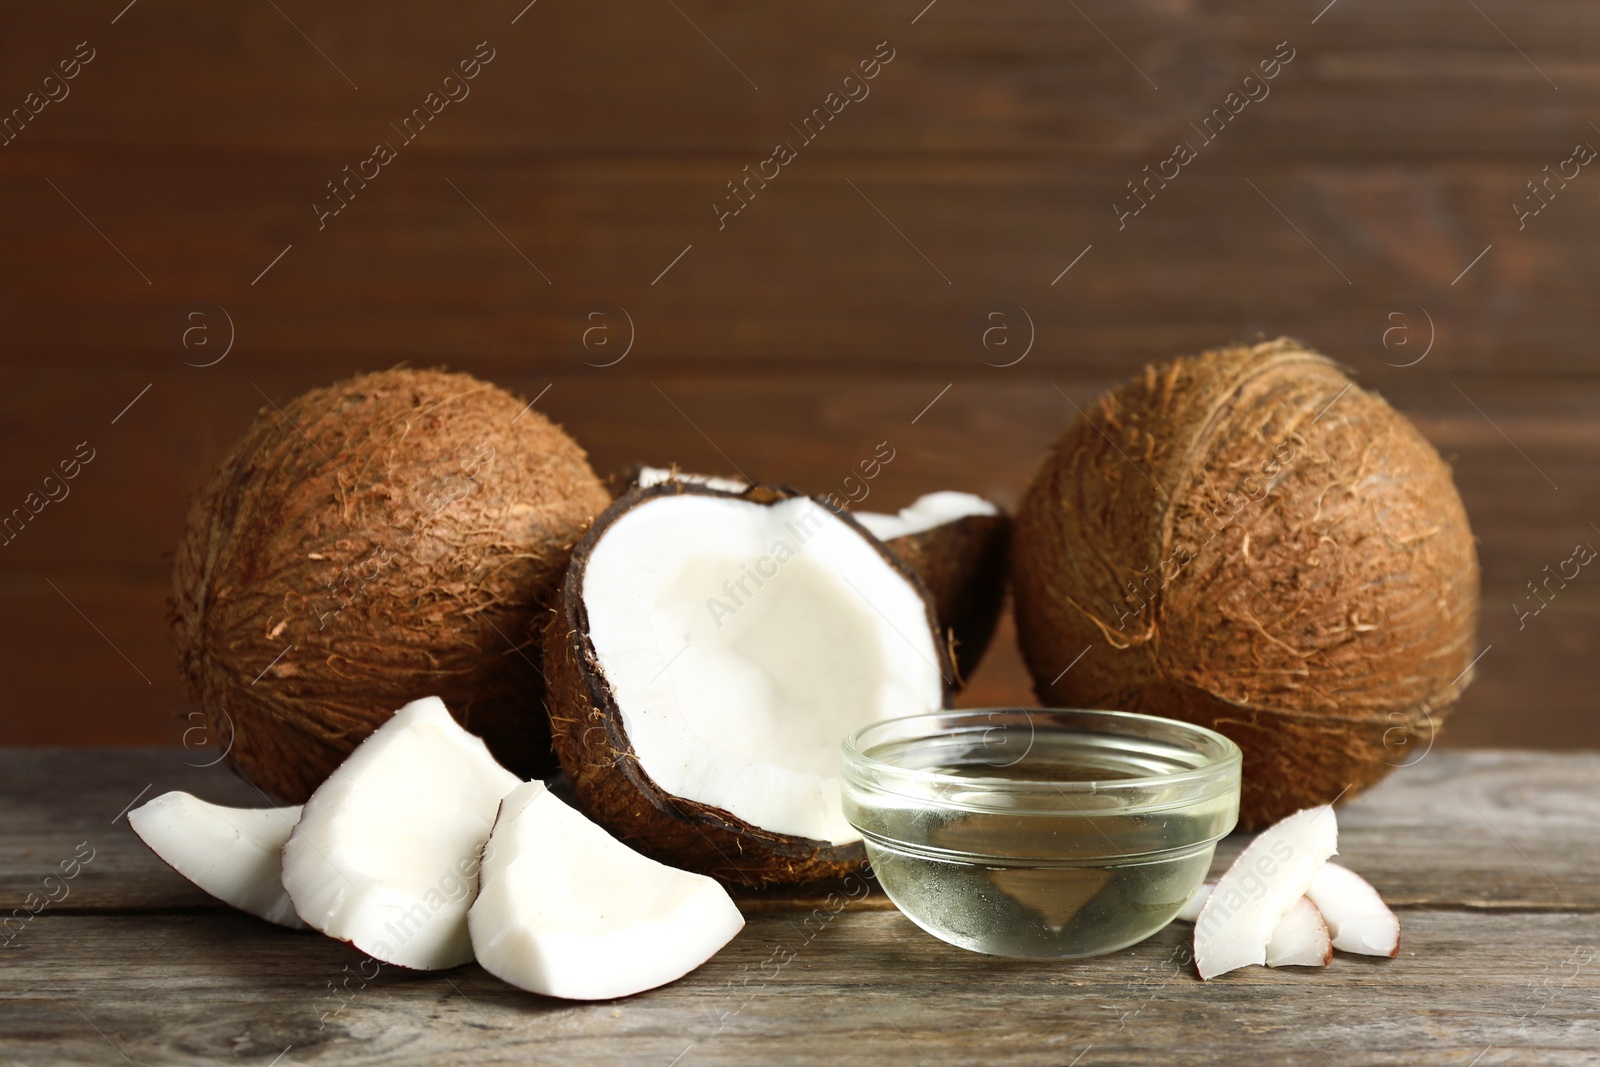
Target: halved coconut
<point>386,853</point>
<point>960,546</point>
<point>231,853</point>
<point>567,910</point>
<point>709,655</point>
<point>1360,920</point>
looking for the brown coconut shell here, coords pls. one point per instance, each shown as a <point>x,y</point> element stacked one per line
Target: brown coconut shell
<point>1248,541</point>
<point>964,565</point>
<point>599,760</point>
<point>393,536</point>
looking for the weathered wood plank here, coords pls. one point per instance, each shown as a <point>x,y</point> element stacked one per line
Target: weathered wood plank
<point>862,987</point>
<point>1479,830</point>
<point>1490,858</point>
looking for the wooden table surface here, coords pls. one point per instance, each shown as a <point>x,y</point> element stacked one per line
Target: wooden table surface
<point>1489,857</point>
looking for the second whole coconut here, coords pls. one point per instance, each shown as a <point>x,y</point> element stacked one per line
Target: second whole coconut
<point>1249,541</point>
<point>392,536</point>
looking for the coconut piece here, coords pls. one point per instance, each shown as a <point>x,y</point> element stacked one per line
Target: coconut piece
<point>1272,872</point>
<point>927,512</point>
<point>567,910</point>
<point>649,476</point>
<point>1197,900</point>
<point>1300,939</point>
<point>1357,916</point>
<point>390,536</point>
<point>1255,544</point>
<point>711,653</point>
<point>960,546</point>
<point>386,853</point>
<point>232,853</point>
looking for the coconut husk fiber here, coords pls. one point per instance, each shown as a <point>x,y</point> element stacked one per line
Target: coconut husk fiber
<point>393,536</point>
<point>1248,541</point>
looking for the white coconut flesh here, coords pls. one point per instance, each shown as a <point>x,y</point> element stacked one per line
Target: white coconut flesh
<point>1275,870</point>
<point>649,476</point>
<point>386,853</point>
<point>743,642</point>
<point>1300,939</point>
<point>1359,919</point>
<point>567,910</point>
<point>1352,917</point>
<point>231,853</point>
<point>925,513</point>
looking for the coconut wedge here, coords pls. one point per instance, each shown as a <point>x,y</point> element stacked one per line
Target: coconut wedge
<point>1300,939</point>
<point>567,910</point>
<point>1270,875</point>
<point>1357,916</point>
<point>710,654</point>
<point>231,853</point>
<point>386,853</point>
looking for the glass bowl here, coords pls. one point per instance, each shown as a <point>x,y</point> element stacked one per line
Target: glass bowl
<point>1040,832</point>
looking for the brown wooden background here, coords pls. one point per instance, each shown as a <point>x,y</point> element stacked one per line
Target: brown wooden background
<point>188,154</point>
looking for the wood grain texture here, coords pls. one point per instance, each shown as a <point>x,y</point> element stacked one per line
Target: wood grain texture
<point>1488,830</point>
<point>1489,857</point>
<point>211,988</point>
<point>822,318</point>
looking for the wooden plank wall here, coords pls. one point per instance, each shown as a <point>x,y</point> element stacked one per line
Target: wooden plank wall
<point>1377,175</point>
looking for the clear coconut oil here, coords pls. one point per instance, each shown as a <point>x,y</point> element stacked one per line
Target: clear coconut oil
<point>1040,833</point>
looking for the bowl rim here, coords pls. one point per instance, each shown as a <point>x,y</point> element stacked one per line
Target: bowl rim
<point>858,760</point>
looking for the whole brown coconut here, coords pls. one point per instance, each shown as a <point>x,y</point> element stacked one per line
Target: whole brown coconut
<point>1248,541</point>
<point>389,537</point>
